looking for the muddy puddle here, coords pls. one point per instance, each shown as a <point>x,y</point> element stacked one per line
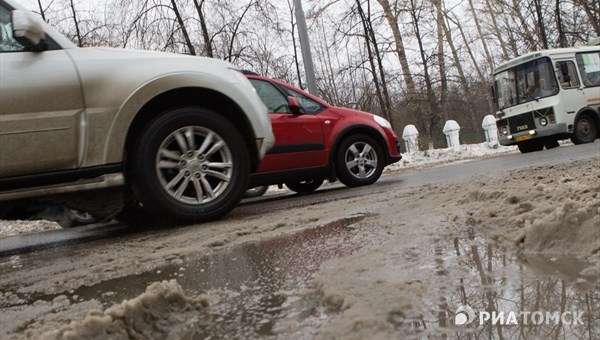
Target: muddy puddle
<point>481,292</point>
<point>251,286</point>
<point>259,289</point>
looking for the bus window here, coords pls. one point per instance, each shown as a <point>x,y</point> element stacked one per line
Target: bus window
<point>567,75</point>
<point>589,67</point>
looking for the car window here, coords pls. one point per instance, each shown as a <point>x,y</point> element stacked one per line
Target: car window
<point>273,99</point>
<point>7,42</point>
<point>309,105</point>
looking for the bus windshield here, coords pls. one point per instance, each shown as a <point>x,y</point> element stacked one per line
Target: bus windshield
<point>524,83</point>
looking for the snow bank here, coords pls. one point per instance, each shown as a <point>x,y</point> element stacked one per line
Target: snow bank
<point>553,210</point>
<point>16,227</point>
<point>162,312</point>
<point>428,158</point>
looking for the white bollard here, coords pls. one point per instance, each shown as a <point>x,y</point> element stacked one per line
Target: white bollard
<point>491,131</point>
<point>410,134</point>
<point>451,129</point>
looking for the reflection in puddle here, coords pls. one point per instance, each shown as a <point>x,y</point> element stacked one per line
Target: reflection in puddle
<point>258,287</point>
<point>501,296</point>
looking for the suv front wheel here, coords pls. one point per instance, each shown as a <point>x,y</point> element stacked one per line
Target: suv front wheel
<point>189,164</point>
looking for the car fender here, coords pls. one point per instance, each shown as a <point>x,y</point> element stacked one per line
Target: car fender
<point>372,131</point>
<point>113,149</point>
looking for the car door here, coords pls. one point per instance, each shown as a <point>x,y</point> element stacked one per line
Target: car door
<point>298,137</point>
<point>41,107</point>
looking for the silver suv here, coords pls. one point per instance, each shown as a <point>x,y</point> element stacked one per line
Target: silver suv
<point>179,134</point>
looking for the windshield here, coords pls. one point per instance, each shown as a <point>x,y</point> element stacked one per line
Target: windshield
<point>524,83</point>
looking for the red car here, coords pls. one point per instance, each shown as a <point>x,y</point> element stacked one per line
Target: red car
<point>315,141</point>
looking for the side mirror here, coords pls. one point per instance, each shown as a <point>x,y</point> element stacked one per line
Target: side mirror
<point>294,105</point>
<point>27,29</point>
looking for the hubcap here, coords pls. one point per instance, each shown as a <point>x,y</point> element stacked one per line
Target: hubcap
<point>361,160</point>
<point>194,165</point>
<point>584,128</point>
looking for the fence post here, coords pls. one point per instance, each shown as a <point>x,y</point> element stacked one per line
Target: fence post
<point>491,131</point>
<point>451,130</point>
<point>410,134</point>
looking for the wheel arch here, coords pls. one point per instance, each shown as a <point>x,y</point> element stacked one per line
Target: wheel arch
<point>352,130</point>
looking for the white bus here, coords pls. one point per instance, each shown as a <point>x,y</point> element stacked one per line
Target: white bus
<point>549,95</point>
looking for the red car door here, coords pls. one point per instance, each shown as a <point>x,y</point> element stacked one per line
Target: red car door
<point>299,139</point>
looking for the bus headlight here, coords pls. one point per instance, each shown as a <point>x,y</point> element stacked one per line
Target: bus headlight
<point>543,121</point>
<point>504,130</point>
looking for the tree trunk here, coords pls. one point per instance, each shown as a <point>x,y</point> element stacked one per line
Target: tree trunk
<point>76,22</point>
<point>295,47</point>
<point>435,123</point>
<point>393,22</point>
<point>235,31</point>
<point>488,56</point>
<point>208,49</point>
<point>42,11</point>
<point>458,65</point>
<point>527,35</point>
<point>592,10</point>
<point>562,39</point>
<point>371,56</point>
<point>537,5</point>
<point>497,29</point>
<point>184,31</point>
<point>441,59</point>
<point>488,97</point>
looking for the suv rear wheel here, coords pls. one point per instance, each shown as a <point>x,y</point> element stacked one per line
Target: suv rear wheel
<point>189,164</point>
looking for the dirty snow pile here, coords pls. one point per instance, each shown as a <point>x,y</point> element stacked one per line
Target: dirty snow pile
<point>162,312</point>
<point>433,157</point>
<point>15,227</point>
<point>549,210</point>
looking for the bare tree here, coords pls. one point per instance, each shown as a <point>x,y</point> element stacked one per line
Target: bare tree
<point>434,121</point>
<point>184,31</point>
<point>76,23</point>
<point>208,49</point>
<point>392,19</point>
<point>488,56</point>
<point>42,10</point>
<point>375,55</point>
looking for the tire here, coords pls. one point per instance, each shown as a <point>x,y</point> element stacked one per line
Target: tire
<point>531,146</point>
<point>256,191</point>
<point>551,143</point>
<point>359,161</point>
<point>189,165</point>
<point>585,130</point>
<point>304,187</point>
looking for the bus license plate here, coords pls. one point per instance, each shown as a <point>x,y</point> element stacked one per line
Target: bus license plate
<point>522,138</point>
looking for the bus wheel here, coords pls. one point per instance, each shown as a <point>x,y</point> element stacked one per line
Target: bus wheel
<point>531,146</point>
<point>585,130</point>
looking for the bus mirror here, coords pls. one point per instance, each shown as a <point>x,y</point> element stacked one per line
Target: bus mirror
<point>493,90</point>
